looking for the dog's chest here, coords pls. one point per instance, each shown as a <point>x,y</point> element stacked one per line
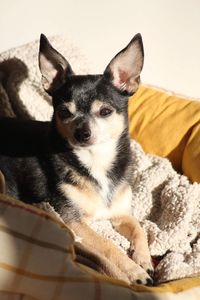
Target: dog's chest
<point>92,204</point>
<point>99,161</point>
<point>97,202</point>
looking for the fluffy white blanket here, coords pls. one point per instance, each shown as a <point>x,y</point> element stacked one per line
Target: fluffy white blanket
<point>166,203</point>
<point>168,207</point>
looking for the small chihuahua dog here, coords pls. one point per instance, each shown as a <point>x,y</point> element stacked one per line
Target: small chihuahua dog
<point>81,162</point>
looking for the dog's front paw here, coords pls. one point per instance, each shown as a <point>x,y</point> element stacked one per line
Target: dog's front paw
<point>144,260</point>
<point>139,275</point>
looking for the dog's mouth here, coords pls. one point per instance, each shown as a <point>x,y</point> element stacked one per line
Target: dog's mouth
<point>93,142</point>
<point>82,144</point>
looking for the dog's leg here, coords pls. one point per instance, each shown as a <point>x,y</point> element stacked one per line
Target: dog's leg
<point>120,265</point>
<point>2,183</point>
<point>97,262</point>
<point>129,227</point>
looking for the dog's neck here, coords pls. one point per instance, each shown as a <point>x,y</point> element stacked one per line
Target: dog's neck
<point>107,162</point>
<point>98,158</point>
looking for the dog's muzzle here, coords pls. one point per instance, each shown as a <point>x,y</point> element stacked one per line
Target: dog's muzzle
<point>82,133</point>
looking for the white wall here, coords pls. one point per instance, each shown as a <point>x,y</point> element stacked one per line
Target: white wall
<point>170,29</point>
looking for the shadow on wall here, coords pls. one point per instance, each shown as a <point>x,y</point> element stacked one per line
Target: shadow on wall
<point>12,73</point>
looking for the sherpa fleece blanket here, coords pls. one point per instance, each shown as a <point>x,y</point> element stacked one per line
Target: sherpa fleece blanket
<point>166,203</point>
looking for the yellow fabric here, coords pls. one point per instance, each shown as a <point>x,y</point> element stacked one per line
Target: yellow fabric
<point>168,126</point>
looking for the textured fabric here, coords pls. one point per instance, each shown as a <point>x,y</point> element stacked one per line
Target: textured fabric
<point>37,263</point>
<point>168,126</point>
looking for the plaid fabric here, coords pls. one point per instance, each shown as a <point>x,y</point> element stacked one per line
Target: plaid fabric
<point>37,262</point>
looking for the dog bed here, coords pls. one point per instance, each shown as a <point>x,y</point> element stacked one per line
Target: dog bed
<point>164,201</point>
<point>168,126</point>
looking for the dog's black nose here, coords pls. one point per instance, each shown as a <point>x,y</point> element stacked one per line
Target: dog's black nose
<point>82,135</point>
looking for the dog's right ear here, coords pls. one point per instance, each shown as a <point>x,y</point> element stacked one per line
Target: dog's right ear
<point>53,66</point>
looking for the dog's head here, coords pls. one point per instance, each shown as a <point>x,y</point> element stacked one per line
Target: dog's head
<point>91,109</point>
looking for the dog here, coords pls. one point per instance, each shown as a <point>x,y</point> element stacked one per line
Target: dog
<point>80,161</point>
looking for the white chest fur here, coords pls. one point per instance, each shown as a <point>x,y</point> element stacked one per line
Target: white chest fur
<point>98,160</point>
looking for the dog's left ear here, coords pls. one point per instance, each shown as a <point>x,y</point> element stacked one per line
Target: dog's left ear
<point>53,66</point>
<point>125,68</point>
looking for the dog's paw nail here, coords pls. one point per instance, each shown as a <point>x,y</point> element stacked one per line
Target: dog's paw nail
<point>138,281</point>
<point>150,272</point>
<point>149,282</point>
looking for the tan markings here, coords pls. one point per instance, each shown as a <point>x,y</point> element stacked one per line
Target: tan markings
<point>65,129</point>
<point>102,129</point>
<point>96,105</point>
<point>91,202</point>
<point>120,265</point>
<point>121,202</point>
<point>2,183</point>
<point>71,107</point>
<point>94,260</point>
<point>84,195</point>
<point>128,226</point>
<point>131,229</point>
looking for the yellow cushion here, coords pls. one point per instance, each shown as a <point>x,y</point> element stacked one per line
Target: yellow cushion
<point>168,126</point>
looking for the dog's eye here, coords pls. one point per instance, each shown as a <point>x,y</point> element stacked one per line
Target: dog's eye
<point>64,113</point>
<point>105,112</point>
